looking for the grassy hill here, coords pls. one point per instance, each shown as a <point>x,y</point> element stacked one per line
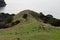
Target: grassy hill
<point>29,29</point>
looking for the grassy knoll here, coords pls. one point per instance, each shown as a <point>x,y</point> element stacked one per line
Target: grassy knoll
<point>29,30</point>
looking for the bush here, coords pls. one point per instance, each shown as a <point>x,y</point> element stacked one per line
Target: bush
<point>42,16</point>
<point>3,26</point>
<point>15,23</point>
<point>12,14</point>
<point>5,18</point>
<point>52,21</point>
<point>49,19</point>
<point>55,22</point>
<point>49,16</point>
<point>25,16</point>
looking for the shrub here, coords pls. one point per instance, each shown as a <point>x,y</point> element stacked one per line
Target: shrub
<point>15,23</point>
<point>5,18</point>
<point>25,16</point>
<point>49,16</point>
<point>49,19</point>
<point>12,14</point>
<point>55,22</point>
<point>3,26</point>
<point>41,16</point>
<point>52,21</point>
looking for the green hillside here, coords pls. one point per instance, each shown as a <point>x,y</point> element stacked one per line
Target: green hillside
<point>30,29</point>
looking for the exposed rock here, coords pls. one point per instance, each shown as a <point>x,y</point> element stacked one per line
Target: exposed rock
<point>2,3</point>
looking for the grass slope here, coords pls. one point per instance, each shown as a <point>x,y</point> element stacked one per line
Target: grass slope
<point>29,30</point>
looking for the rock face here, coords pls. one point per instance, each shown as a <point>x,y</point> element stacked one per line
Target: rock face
<point>2,3</point>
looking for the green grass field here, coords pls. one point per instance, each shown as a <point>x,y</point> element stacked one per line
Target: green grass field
<point>29,31</point>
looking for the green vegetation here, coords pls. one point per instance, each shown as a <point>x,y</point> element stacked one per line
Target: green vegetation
<point>5,19</point>
<point>29,31</point>
<point>49,19</point>
<point>29,25</point>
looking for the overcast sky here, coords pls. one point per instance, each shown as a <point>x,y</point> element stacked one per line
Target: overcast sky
<point>45,6</point>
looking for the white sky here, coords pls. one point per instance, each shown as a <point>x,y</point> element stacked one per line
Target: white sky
<point>46,6</point>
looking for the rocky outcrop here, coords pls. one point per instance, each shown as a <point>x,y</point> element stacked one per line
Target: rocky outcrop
<point>2,3</point>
